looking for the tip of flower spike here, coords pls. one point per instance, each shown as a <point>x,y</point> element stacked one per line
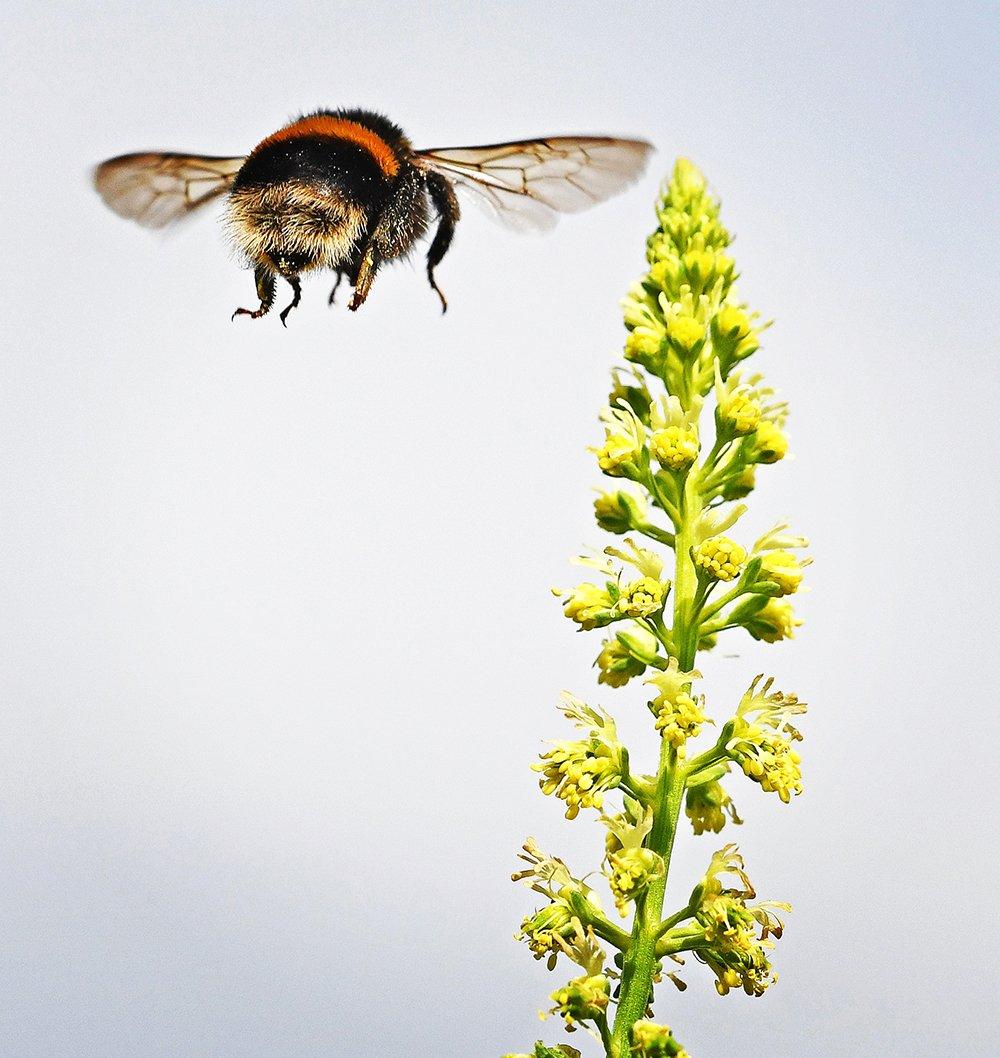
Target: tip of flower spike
<point>688,176</point>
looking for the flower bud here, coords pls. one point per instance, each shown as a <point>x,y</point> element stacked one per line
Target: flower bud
<point>625,656</point>
<point>699,268</point>
<point>675,447</point>
<point>784,569</point>
<point>644,346</point>
<point>617,665</point>
<point>685,334</point>
<point>735,488</point>
<point>655,1041</point>
<point>630,871</point>
<point>775,620</point>
<point>618,512</point>
<point>740,412</point>
<point>583,999</point>
<point>642,645</point>
<point>769,444</point>
<point>719,558</point>
<point>641,598</point>
<point>589,605</point>
<point>733,336</point>
<point>707,806</point>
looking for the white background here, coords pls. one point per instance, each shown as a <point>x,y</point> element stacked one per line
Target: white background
<point>277,644</point>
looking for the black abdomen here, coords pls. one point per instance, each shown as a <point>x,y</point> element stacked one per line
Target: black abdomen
<point>331,165</point>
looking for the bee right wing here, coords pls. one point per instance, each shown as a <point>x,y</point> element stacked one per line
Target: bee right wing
<point>525,184</point>
<point>157,189</point>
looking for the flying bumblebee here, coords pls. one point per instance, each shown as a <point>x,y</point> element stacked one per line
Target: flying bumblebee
<point>344,190</point>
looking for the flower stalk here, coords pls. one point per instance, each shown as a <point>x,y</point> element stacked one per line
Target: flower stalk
<point>682,476</point>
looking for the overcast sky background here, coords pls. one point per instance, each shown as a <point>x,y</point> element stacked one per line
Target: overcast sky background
<point>276,641</point>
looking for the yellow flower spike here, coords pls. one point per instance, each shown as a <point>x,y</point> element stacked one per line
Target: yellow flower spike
<point>769,444</point>
<point>679,719</point>
<point>732,323</point>
<point>629,873</point>
<point>741,413</point>
<point>734,337</point>
<point>738,933</point>
<point>720,558</point>
<point>739,407</point>
<point>674,584</point>
<point>699,267</point>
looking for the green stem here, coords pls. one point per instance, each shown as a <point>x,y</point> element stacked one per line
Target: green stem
<point>611,933</point>
<point>602,1028</point>
<point>641,958</point>
<point>654,532</point>
<point>668,923</point>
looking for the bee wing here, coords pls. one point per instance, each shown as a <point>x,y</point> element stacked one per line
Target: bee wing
<point>527,183</point>
<point>158,189</point>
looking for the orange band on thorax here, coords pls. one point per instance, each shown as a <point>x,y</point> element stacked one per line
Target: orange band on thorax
<point>341,129</point>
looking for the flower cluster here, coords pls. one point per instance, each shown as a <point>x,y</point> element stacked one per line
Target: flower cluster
<point>719,558</point>
<point>678,715</point>
<point>736,934</point>
<point>561,1050</point>
<point>579,771</point>
<point>639,597</point>
<point>630,866</point>
<point>582,999</point>
<point>761,738</point>
<point>708,806</point>
<point>686,429</point>
<point>655,1041</point>
<point>558,928</point>
<point>626,656</point>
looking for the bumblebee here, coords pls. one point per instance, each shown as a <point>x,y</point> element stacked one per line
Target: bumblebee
<point>345,191</point>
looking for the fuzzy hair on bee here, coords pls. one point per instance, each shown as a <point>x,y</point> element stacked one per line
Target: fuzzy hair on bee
<point>344,191</point>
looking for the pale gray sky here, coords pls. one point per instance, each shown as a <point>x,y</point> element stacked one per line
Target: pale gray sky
<point>277,644</point>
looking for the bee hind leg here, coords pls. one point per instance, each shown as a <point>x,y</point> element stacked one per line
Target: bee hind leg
<point>442,196</point>
<point>364,279</point>
<point>336,286</point>
<point>265,291</point>
<point>293,282</point>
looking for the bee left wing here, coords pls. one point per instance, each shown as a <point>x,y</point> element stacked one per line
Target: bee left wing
<point>158,189</point>
<point>527,183</point>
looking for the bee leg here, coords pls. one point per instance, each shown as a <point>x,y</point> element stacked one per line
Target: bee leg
<point>293,282</point>
<point>366,276</point>
<point>265,291</point>
<point>443,197</point>
<point>336,286</point>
